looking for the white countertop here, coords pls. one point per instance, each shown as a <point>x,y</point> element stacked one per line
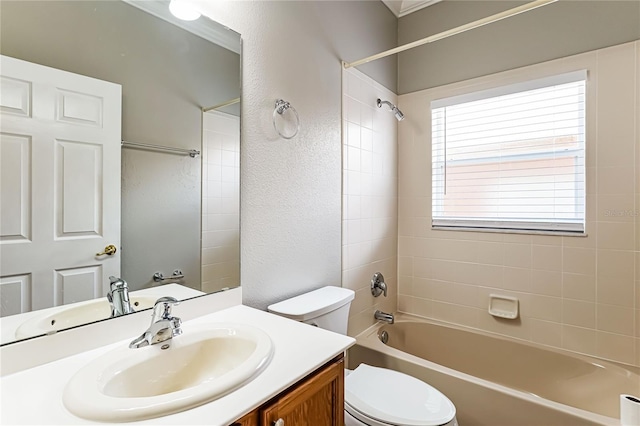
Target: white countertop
<point>34,396</point>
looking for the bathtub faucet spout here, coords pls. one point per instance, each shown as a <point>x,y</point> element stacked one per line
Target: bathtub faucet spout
<point>383,316</point>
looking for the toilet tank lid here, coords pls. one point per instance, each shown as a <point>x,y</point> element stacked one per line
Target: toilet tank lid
<point>313,304</point>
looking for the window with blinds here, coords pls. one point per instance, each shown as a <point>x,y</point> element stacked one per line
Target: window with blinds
<point>511,158</point>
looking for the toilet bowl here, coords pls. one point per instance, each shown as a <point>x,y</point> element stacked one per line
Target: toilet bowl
<point>373,396</point>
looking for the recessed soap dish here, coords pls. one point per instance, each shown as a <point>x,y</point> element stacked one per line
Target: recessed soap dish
<point>503,306</point>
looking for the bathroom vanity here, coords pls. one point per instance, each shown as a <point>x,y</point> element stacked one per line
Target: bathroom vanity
<point>318,399</point>
<point>304,375</point>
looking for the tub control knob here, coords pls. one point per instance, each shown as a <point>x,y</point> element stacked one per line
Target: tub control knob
<point>378,285</point>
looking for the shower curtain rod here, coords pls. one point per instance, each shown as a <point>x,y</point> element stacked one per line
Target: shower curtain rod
<point>224,104</point>
<point>193,153</point>
<point>457,30</point>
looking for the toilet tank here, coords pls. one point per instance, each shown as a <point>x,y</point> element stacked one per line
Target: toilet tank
<point>326,307</point>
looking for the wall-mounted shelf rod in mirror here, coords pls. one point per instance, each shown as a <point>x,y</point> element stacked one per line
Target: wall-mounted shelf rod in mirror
<point>224,104</point>
<point>193,153</point>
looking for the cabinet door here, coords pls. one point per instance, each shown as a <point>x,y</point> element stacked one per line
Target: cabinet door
<point>250,419</point>
<point>316,401</point>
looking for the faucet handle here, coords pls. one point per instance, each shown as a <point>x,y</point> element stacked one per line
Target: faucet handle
<point>378,286</point>
<point>162,308</point>
<point>167,301</point>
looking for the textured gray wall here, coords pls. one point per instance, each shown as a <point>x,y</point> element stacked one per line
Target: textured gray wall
<point>291,189</point>
<point>554,31</point>
<point>166,74</point>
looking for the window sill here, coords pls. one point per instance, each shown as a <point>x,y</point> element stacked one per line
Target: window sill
<point>510,231</point>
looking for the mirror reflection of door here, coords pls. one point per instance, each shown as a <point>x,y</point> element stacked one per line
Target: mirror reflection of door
<point>59,146</point>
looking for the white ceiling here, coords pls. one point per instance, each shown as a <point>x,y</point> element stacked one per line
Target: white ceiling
<point>401,8</point>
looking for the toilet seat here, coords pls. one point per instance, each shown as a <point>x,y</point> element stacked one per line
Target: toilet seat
<point>392,398</point>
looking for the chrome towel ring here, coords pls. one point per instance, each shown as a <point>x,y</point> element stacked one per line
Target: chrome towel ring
<point>281,107</point>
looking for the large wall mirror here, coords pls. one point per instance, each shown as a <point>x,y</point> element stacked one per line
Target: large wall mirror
<point>178,214</point>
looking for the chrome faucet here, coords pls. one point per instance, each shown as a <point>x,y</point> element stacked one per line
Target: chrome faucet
<point>163,326</point>
<point>118,297</point>
<point>383,316</point>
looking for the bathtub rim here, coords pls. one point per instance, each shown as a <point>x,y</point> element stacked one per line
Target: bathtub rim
<point>406,317</point>
<point>369,339</point>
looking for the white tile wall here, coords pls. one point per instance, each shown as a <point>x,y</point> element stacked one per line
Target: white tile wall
<point>581,294</point>
<point>369,201</point>
<point>221,201</point>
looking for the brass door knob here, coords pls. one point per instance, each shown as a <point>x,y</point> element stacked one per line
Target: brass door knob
<point>108,250</point>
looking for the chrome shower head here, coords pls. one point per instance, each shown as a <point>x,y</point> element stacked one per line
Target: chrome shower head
<point>398,114</point>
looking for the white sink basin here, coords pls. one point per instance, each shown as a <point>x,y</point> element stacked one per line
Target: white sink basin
<point>74,315</point>
<point>205,363</point>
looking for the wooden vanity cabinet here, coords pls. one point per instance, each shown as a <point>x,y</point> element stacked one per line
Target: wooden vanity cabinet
<point>250,419</point>
<point>316,400</point>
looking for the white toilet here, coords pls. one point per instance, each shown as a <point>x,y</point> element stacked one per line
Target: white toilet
<point>373,396</point>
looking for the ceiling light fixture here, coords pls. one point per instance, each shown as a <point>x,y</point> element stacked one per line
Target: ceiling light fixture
<point>184,11</point>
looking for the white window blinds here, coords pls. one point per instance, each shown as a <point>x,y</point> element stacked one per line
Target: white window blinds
<point>511,157</point>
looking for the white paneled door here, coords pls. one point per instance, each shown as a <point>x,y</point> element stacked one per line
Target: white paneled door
<point>59,186</point>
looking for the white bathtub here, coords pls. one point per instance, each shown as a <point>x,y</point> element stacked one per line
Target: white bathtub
<point>498,381</point>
